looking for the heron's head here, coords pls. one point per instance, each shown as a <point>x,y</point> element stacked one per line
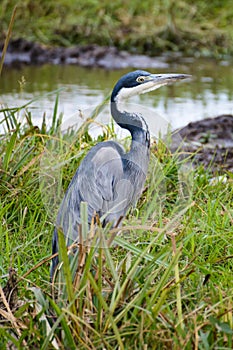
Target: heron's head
<point>140,82</point>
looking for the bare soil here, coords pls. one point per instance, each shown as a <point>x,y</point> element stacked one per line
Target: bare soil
<point>208,142</point>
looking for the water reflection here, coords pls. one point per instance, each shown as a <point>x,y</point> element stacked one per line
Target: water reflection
<point>207,95</point>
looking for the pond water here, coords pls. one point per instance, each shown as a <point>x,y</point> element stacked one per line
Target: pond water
<point>208,94</point>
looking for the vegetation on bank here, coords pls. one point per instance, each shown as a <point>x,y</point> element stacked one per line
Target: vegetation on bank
<point>167,283</point>
<point>151,27</point>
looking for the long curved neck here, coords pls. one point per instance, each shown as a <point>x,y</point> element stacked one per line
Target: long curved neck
<point>133,122</point>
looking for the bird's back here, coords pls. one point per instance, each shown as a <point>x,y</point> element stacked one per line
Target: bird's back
<point>108,181</point>
<point>96,182</point>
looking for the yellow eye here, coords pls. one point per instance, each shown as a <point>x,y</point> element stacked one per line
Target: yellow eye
<point>140,79</point>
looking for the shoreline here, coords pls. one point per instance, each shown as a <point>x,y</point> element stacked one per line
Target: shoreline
<point>23,52</point>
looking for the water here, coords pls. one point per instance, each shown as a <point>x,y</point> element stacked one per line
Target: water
<point>208,94</point>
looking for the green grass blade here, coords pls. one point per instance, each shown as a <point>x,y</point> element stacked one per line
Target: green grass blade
<point>66,269</point>
<point>106,308</point>
<point>9,150</point>
<point>136,251</point>
<point>55,111</point>
<point>7,38</point>
<point>65,327</point>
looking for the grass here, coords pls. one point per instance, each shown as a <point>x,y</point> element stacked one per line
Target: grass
<point>152,27</point>
<point>167,281</point>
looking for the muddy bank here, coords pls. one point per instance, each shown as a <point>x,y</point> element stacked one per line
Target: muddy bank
<point>21,52</point>
<point>208,142</point>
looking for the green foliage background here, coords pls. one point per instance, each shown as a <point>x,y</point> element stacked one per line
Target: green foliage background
<point>200,27</point>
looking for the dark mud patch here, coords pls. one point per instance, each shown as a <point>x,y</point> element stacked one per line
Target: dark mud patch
<point>23,52</point>
<point>208,142</point>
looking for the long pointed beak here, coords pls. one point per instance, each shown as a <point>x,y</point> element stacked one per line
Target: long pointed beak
<point>155,81</point>
<point>159,80</point>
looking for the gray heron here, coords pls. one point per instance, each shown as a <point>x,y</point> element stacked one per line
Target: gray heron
<point>109,179</point>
